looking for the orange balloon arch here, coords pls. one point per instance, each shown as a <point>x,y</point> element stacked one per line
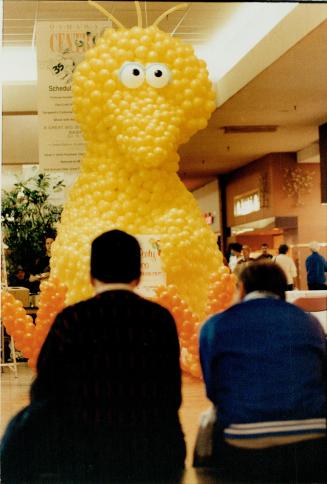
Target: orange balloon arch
<point>28,337</point>
<point>188,324</point>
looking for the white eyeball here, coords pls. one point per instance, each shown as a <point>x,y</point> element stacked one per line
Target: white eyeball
<point>157,75</point>
<point>131,74</point>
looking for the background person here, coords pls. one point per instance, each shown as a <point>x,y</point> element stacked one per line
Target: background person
<point>316,266</point>
<point>236,254</point>
<point>20,278</point>
<point>41,269</point>
<point>264,366</point>
<point>264,252</point>
<point>287,264</point>
<point>104,404</point>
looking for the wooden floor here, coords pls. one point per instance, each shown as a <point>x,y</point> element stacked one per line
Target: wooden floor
<point>14,396</point>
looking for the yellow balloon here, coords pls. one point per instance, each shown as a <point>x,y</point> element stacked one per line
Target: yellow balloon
<point>138,95</point>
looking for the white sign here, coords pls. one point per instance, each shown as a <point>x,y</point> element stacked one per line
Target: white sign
<point>247,204</point>
<point>60,47</point>
<point>152,275</point>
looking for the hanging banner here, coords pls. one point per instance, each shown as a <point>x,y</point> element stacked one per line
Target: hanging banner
<point>60,48</point>
<point>152,275</point>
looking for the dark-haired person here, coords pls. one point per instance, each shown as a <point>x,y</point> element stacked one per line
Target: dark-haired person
<point>236,255</point>
<point>264,367</point>
<point>20,278</point>
<point>287,264</point>
<point>105,401</point>
<point>264,253</point>
<point>41,270</point>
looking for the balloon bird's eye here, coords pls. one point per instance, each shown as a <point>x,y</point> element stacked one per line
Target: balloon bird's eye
<point>132,74</point>
<point>157,75</point>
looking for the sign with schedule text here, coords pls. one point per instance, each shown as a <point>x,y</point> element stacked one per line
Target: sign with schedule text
<point>60,48</point>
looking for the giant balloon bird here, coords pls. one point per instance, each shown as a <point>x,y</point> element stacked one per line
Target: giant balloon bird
<point>138,95</point>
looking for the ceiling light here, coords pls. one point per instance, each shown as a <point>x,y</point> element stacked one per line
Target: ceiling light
<point>18,64</point>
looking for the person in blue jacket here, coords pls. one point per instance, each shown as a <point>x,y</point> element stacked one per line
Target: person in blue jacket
<point>316,266</point>
<point>264,367</point>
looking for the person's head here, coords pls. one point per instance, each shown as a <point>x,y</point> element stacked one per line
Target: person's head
<point>283,249</point>
<point>263,276</point>
<point>264,248</point>
<point>115,257</point>
<point>314,246</point>
<point>20,273</point>
<point>236,248</point>
<point>48,243</point>
<point>246,251</point>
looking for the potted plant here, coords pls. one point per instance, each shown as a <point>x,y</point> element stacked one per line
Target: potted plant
<point>27,217</point>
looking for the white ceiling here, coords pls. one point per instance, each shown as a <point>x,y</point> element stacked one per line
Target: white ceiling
<point>290,94</point>
<point>287,89</point>
<point>199,20</point>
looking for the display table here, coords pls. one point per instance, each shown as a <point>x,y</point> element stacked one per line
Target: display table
<point>321,315</point>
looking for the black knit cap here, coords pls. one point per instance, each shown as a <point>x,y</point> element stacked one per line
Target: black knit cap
<point>115,257</point>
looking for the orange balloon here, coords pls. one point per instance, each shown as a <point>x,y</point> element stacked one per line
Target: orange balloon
<point>29,327</point>
<point>20,312</point>
<point>28,339</point>
<point>27,351</point>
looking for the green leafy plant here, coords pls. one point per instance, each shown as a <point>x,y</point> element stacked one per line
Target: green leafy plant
<point>27,218</point>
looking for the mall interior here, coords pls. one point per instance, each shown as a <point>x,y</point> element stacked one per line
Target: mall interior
<point>250,155</point>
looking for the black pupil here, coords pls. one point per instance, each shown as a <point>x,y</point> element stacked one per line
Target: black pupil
<point>136,72</point>
<point>158,73</point>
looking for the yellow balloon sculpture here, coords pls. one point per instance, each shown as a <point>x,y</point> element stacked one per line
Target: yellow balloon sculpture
<point>137,96</point>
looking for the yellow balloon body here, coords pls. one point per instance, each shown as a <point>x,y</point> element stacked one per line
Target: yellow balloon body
<point>128,176</point>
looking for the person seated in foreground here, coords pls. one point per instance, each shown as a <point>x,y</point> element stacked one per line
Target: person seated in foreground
<point>264,367</point>
<point>104,404</point>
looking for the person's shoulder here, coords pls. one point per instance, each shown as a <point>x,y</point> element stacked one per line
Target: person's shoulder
<point>293,311</point>
<point>311,323</point>
<point>253,308</point>
<point>227,315</point>
<point>77,308</point>
<point>155,307</point>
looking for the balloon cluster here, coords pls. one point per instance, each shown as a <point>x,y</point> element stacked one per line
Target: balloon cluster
<point>188,323</point>
<point>51,302</point>
<point>18,324</point>
<point>221,290</point>
<point>138,95</point>
<point>28,338</point>
<point>146,91</point>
